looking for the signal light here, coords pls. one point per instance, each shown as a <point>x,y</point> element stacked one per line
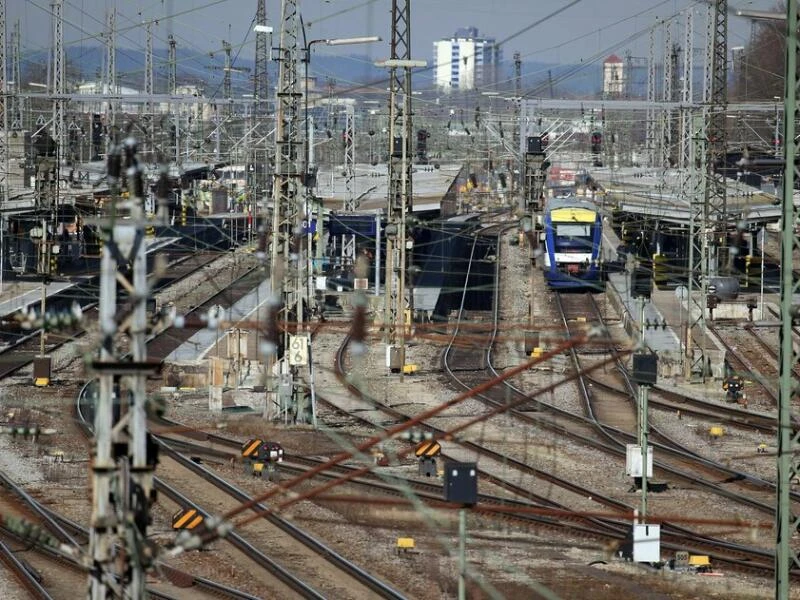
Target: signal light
<point>641,283</point>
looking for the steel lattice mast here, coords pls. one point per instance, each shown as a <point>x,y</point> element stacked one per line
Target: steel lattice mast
<point>172,65</point>
<point>148,87</point>
<point>715,212</point>
<point>787,522</point>
<point>226,77</point>
<point>686,101</point>
<point>57,71</point>
<point>286,267</point>
<point>517,143</point>
<point>651,98</point>
<point>400,188</point>
<point>349,241</point>
<point>260,145</point>
<point>4,110</point>
<point>260,78</point>
<point>709,221</point>
<point>111,76</point>
<point>16,99</point>
<point>172,88</point>
<point>666,131</point>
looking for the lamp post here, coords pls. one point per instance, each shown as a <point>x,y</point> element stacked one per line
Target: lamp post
<point>309,181</point>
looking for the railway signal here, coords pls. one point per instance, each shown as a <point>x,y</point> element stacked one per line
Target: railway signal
<point>427,451</point>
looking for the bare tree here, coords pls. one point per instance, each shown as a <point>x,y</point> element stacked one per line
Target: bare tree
<point>760,68</point>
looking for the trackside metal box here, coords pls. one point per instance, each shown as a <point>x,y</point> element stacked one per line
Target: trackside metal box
<point>461,482</point>
<point>633,461</point>
<point>646,543</point>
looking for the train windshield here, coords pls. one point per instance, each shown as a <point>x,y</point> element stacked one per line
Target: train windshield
<point>572,237</point>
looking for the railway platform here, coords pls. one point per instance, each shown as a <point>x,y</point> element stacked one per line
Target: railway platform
<point>666,319</point>
<point>207,341</point>
<point>19,295</point>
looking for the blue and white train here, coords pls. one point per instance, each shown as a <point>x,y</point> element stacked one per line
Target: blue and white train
<point>573,235</point>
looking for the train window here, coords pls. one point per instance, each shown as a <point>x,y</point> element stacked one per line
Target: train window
<point>573,238</point>
<point>571,230</point>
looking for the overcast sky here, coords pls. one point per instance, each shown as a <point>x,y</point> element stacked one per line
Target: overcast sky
<point>582,31</point>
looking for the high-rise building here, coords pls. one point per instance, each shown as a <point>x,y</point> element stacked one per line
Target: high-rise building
<point>613,77</point>
<point>465,61</point>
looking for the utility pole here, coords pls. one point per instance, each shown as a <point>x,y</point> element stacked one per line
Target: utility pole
<point>400,187</point>
<point>124,458</point>
<point>644,425</point>
<point>58,90</point>
<point>666,131</point>
<point>227,69</point>
<point>786,552</point>
<point>4,165</point>
<point>708,228</point>
<point>4,150</point>
<point>287,266</point>
<point>16,99</point>
<point>686,101</point>
<point>111,77</point>
<point>172,88</point>
<point>349,240</point>
<point>54,175</point>
<point>651,98</point>
<point>172,65</point>
<point>260,167</point>
<point>517,109</point>
<point>148,89</point>
<point>715,188</point>
<point>226,78</point>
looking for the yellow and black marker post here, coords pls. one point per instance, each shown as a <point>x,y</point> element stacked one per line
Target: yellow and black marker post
<point>250,448</point>
<point>250,451</point>
<point>187,518</point>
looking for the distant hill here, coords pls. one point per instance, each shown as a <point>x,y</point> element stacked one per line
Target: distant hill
<point>87,64</point>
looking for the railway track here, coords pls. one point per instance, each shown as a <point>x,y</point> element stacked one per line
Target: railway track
<point>470,365</point>
<point>732,552</point>
<point>393,485</point>
<point>360,576</point>
<point>75,536</point>
<point>24,574</point>
<point>22,352</point>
